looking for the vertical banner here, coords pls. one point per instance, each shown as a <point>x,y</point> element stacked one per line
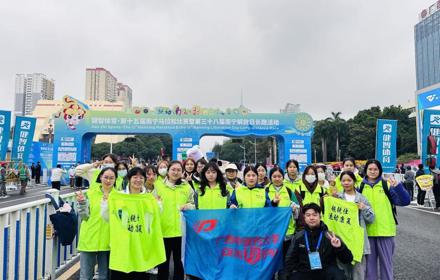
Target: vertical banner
<point>5,127</point>
<point>386,139</point>
<point>23,135</point>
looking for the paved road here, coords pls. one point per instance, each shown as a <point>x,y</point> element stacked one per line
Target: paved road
<point>417,253</point>
<point>34,192</point>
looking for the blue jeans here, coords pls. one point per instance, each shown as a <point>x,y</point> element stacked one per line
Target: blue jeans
<point>87,265</point>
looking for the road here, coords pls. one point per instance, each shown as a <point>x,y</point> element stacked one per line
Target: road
<point>417,253</point>
<point>33,193</point>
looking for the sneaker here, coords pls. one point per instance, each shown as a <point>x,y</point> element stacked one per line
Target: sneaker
<point>153,271</point>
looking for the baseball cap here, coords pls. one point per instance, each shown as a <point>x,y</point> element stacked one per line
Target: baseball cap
<point>231,166</point>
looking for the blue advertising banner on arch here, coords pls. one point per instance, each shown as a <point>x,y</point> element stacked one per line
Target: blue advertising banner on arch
<point>386,144</point>
<point>76,126</point>
<point>5,127</point>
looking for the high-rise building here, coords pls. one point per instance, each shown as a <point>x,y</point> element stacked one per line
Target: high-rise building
<point>29,88</point>
<point>100,85</point>
<point>124,94</point>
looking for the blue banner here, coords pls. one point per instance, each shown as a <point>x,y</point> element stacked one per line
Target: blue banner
<point>235,243</point>
<point>386,139</point>
<point>23,135</point>
<point>5,127</point>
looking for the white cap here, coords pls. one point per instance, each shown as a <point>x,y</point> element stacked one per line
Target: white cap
<point>231,166</point>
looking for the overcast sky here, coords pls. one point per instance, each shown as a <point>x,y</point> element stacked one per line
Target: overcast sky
<point>326,55</point>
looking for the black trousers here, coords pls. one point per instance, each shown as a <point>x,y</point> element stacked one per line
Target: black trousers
<point>117,275</point>
<point>436,191</point>
<point>56,185</point>
<point>421,196</point>
<point>172,245</point>
<point>37,179</point>
<point>409,186</point>
<point>329,273</point>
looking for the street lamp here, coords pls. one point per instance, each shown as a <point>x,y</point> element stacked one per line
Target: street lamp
<point>244,153</point>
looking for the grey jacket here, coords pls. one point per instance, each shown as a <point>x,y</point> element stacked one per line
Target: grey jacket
<point>366,216</point>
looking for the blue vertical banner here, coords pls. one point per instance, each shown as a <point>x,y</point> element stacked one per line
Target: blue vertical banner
<point>386,143</point>
<point>5,127</point>
<point>23,135</point>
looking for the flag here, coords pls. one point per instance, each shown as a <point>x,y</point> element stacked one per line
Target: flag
<point>235,243</point>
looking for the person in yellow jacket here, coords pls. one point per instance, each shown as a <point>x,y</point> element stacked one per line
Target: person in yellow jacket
<point>90,171</point>
<point>383,196</point>
<point>283,197</point>
<point>348,164</point>
<point>309,190</point>
<point>213,192</point>
<point>162,170</point>
<point>292,180</point>
<point>94,235</point>
<point>250,195</point>
<point>176,195</point>
<point>136,178</point>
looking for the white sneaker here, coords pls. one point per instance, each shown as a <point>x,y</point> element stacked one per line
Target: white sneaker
<point>153,271</point>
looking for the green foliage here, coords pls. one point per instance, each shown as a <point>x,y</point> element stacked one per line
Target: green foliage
<point>407,157</point>
<point>234,151</point>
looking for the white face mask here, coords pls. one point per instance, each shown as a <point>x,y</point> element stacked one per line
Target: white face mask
<point>105,165</point>
<point>162,172</point>
<point>310,178</point>
<point>321,176</point>
<point>122,173</point>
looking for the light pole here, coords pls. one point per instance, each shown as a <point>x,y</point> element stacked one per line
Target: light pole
<point>244,153</point>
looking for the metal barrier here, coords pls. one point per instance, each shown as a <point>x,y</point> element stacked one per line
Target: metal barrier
<point>25,250</point>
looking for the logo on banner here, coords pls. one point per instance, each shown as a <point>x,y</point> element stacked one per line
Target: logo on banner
<point>434,119</point>
<point>26,125</point>
<point>387,128</point>
<point>431,97</point>
<point>205,226</point>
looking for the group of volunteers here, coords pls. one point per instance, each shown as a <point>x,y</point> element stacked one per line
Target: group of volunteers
<point>310,250</point>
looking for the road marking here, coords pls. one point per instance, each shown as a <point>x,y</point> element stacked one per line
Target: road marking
<point>70,272</point>
<point>422,210</point>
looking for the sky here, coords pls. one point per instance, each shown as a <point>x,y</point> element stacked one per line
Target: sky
<point>328,56</point>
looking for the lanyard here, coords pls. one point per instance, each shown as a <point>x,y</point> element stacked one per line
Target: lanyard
<point>307,241</point>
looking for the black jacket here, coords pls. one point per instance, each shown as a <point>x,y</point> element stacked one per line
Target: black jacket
<point>297,258</point>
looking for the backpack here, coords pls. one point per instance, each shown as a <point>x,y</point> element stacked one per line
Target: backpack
<point>388,194</point>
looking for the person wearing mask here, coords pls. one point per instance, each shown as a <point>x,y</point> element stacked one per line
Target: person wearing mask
<point>366,216</point>
<point>24,176</point>
<point>292,178</point>
<point>314,250</point>
<point>251,195</point>
<point>322,182</point>
<point>213,192</point>
<point>348,164</point>
<point>420,193</point>
<point>231,172</point>
<point>94,235</point>
<point>282,196</point>
<point>122,169</point>
<point>55,178</point>
<point>90,171</point>
<point>200,164</point>
<point>189,167</point>
<point>262,175</point>
<point>309,191</point>
<point>409,182</point>
<point>176,195</point>
<point>37,173</point>
<point>162,170</point>
<point>383,197</point>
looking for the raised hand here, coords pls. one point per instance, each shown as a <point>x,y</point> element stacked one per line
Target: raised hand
<point>392,182</point>
<point>80,196</point>
<point>233,206</point>
<point>361,205</point>
<point>336,242</point>
<point>276,199</point>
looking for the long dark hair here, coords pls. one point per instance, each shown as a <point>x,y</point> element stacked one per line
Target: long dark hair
<point>310,187</point>
<point>220,179</point>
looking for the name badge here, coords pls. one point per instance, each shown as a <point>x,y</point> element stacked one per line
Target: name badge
<point>315,260</point>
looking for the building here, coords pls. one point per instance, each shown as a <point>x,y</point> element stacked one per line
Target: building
<point>29,89</point>
<point>124,94</point>
<point>427,59</point>
<point>100,85</point>
<point>291,108</point>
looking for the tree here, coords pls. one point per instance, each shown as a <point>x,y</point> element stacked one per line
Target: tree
<point>337,124</point>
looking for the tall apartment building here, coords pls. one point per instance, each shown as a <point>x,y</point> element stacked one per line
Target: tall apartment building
<point>124,94</point>
<point>29,88</point>
<point>100,85</point>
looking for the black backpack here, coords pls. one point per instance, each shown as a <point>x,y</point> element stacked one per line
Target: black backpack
<point>388,194</point>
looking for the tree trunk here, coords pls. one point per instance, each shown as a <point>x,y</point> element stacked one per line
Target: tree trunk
<point>338,156</point>
<point>324,149</point>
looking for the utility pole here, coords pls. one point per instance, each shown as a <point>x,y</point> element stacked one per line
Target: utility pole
<point>255,150</point>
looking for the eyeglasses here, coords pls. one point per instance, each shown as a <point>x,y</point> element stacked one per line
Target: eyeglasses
<point>108,178</point>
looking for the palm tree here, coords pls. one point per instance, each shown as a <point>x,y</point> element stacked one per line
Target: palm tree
<point>336,120</point>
